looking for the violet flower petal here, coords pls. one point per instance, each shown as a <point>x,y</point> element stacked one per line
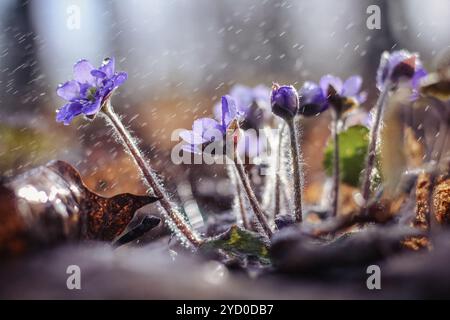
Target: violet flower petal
<point>205,128</point>
<point>229,111</point>
<point>82,72</point>
<point>98,73</point>
<point>69,90</point>
<point>93,107</point>
<point>108,67</point>
<point>352,86</point>
<point>67,112</point>
<point>261,94</point>
<point>119,79</point>
<point>243,97</point>
<point>334,81</point>
<point>361,97</point>
<point>312,99</point>
<point>310,92</point>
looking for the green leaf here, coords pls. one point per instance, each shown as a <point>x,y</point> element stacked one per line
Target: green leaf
<point>239,242</point>
<point>353,144</point>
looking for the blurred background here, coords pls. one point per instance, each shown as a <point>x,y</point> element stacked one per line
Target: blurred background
<point>181,56</point>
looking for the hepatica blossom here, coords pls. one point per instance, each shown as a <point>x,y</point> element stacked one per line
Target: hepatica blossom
<point>89,89</point>
<point>207,130</point>
<point>400,65</point>
<point>252,103</point>
<point>331,90</point>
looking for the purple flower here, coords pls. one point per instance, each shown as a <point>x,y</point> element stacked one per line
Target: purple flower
<point>204,130</point>
<point>207,130</point>
<point>312,99</point>
<point>284,101</point>
<point>89,90</point>
<point>316,98</point>
<point>252,103</point>
<point>399,65</point>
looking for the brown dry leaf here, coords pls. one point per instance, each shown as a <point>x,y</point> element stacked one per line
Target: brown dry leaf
<point>423,190</point>
<point>421,219</point>
<point>441,201</point>
<point>441,210</point>
<point>51,203</point>
<point>416,243</point>
<point>111,177</point>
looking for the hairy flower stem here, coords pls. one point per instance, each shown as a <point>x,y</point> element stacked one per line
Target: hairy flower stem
<point>336,169</point>
<point>149,176</point>
<point>295,152</point>
<point>239,197</point>
<point>278,172</point>
<point>372,150</point>
<point>251,196</point>
<point>242,209</point>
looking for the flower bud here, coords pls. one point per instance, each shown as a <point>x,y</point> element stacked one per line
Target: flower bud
<point>284,101</point>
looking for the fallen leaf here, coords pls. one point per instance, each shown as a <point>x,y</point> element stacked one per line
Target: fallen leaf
<point>441,201</point>
<point>50,204</point>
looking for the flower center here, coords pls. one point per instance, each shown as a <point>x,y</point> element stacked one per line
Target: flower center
<point>91,93</point>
